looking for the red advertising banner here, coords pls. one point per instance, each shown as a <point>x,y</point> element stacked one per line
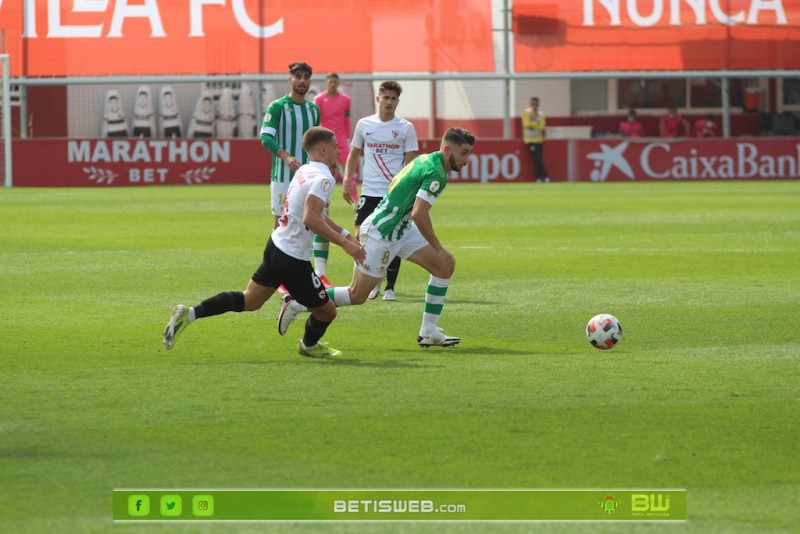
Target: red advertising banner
<point>149,162</point>
<point>603,35</point>
<point>153,162</point>
<point>128,37</point>
<point>138,162</point>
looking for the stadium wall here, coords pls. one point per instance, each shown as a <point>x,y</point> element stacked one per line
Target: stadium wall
<point>151,162</point>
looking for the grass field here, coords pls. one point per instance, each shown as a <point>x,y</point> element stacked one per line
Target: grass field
<point>703,392</point>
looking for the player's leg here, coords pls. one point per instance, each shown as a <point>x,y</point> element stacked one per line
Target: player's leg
<point>260,288</point>
<point>250,299</point>
<point>306,293</point>
<point>317,323</point>
<point>391,278</point>
<point>321,250</point>
<point>541,172</point>
<point>365,277</point>
<point>365,207</point>
<point>441,272</point>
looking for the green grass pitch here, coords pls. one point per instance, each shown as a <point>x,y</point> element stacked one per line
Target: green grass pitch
<point>703,393</point>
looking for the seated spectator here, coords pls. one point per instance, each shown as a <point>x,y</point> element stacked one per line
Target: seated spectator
<point>114,123</point>
<point>170,124</point>
<point>706,127</point>
<point>671,122</point>
<point>631,127</point>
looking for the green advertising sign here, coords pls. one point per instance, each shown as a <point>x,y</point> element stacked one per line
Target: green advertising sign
<point>400,505</point>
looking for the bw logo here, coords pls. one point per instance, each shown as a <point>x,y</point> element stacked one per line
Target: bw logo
<point>650,503</point>
<point>606,159</point>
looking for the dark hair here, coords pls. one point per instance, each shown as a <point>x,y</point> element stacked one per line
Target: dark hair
<point>390,85</point>
<point>316,135</point>
<point>332,75</point>
<point>294,68</point>
<point>458,136</point>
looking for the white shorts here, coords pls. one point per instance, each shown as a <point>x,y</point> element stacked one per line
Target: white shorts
<point>381,252</point>
<point>277,193</point>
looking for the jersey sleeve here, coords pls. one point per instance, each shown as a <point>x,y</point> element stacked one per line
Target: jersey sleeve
<point>322,189</point>
<point>269,127</point>
<point>431,187</point>
<point>358,136</point>
<point>272,119</point>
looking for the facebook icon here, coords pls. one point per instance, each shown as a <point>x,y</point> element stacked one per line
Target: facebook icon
<point>138,505</point>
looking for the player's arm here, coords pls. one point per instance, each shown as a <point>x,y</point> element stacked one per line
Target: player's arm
<point>347,125</point>
<point>408,157</point>
<point>326,228</point>
<point>350,173</point>
<point>351,165</point>
<point>411,145</point>
<point>269,130</point>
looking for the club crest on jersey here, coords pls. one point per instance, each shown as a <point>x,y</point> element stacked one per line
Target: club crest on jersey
<point>434,187</point>
<point>395,133</point>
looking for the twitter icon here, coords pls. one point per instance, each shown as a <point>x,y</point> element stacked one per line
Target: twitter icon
<point>171,505</point>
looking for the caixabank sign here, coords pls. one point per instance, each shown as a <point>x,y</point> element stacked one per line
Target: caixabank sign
<point>734,159</point>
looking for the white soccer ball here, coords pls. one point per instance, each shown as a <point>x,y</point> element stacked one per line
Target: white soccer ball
<point>604,331</point>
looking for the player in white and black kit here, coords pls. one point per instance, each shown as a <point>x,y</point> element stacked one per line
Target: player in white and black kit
<point>287,256</point>
<point>388,143</point>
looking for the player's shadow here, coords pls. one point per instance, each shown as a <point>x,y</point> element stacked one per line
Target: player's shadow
<point>380,364</point>
<point>425,355</point>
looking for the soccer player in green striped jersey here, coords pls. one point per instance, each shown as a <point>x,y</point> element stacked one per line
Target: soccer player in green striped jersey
<point>401,225</point>
<point>285,121</point>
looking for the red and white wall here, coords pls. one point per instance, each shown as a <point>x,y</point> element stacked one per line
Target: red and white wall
<point>151,162</point>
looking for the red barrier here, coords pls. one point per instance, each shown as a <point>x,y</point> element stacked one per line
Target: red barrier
<point>149,162</point>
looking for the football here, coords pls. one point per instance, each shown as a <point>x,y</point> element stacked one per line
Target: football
<point>604,331</point>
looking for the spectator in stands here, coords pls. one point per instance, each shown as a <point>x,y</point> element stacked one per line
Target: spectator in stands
<point>706,127</point>
<point>671,122</point>
<point>170,117</point>
<point>533,127</point>
<point>144,117</point>
<point>631,127</point>
<point>246,120</point>
<point>114,123</point>
<point>202,123</point>
<point>226,114</point>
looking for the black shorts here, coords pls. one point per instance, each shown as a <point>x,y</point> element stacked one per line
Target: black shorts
<point>366,205</point>
<point>297,276</point>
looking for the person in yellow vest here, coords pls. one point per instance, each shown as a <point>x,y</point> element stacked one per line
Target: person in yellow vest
<point>533,126</point>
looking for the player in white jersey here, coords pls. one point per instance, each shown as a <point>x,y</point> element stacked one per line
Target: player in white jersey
<point>287,256</point>
<point>401,225</point>
<point>389,143</point>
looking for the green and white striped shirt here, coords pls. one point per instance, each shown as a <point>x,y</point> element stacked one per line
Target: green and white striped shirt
<point>286,121</point>
<point>424,177</point>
